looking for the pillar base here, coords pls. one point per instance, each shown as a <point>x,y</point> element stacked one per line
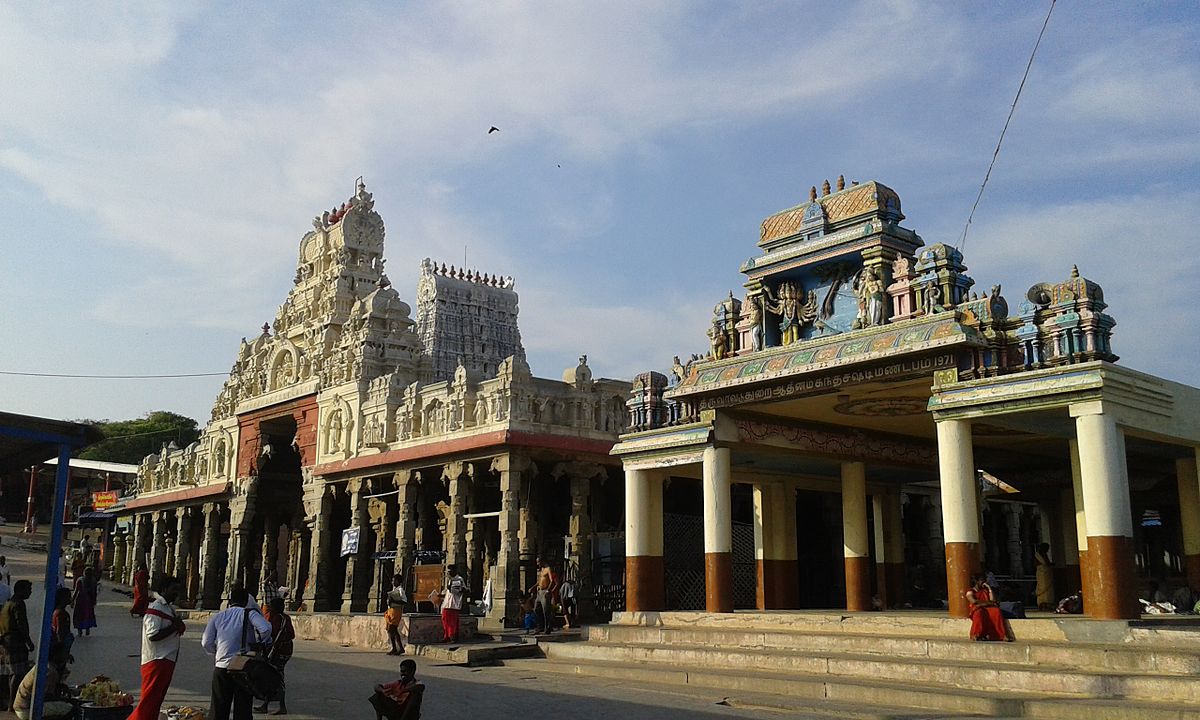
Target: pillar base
<point>962,561</point>
<point>645,586</point>
<point>1114,592</point>
<point>718,582</point>
<point>858,584</point>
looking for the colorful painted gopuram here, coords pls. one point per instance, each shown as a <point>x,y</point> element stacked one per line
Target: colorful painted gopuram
<point>427,435</point>
<point>865,417</point>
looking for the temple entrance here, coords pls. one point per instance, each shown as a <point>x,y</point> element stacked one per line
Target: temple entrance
<point>278,509</point>
<point>818,549</point>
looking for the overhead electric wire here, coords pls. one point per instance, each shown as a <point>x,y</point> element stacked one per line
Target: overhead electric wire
<point>110,377</point>
<point>962,240</point>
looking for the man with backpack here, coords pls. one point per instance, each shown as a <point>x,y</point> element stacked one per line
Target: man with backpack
<point>229,634</point>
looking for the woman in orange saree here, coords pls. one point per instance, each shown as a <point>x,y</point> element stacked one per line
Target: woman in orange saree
<point>987,623</point>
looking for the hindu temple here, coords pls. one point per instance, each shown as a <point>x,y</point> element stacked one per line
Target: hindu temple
<point>867,428</point>
<point>350,440</point>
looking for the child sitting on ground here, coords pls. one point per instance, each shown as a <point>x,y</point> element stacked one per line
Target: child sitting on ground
<point>400,700</point>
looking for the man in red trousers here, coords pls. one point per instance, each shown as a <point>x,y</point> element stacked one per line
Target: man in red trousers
<point>161,629</point>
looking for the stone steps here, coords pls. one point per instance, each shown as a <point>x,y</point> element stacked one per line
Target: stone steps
<point>797,692</point>
<point>1058,667</point>
<point>983,675</point>
<point>1078,655</point>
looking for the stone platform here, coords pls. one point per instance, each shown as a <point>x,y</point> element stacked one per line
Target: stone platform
<point>1059,667</point>
<point>363,630</point>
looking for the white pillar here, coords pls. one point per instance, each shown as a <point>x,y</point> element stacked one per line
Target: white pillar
<point>1105,480</point>
<point>856,543</point>
<point>644,580</point>
<point>960,509</point>
<point>718,531</point>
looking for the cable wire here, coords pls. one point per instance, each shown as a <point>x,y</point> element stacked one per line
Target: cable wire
<point>111,377</point>
<point>963,239</point>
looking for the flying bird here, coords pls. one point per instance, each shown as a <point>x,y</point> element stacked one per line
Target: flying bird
<point>493,129</point>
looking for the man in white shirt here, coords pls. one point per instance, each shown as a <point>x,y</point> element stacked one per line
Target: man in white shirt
<point>5,571</point>
<point>228,633</point>
<point>161,629</point>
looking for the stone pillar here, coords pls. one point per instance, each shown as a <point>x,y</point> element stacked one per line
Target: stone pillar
<point>116,568</point>
<point>645,576</point>
<point>856,547</point>
<point>458,484</point>
<point>317,596</point>
<point>169,525</point>
<point>158,548</point>
<point>406,483</point>
<point>1013,516</point>
<point>269,559</point>
<point>383,525</point>
<point>183,550</point>
<point>580,532</point>
<point>1105,480</point>
<point>210,592</point>
<point>718,531</point>
<point>528,531</point>
<point>506,589</point>
<point>132,555</point>
<point>359,562</point>
<point>1189,515</point>
<point>960,510</point>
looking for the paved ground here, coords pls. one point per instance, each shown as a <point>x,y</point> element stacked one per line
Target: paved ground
<point>329,681</point>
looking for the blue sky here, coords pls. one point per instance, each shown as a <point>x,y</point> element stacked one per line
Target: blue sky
<point>159,164</point>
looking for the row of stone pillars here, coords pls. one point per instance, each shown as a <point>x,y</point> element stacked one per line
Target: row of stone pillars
<point>185,542</point>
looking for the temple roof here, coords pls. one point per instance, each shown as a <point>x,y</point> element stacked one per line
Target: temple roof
<point>865,200</point>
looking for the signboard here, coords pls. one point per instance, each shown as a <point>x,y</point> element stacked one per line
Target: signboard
<point>349,541</point>
<point>104,500</point>
<point>428,579</point>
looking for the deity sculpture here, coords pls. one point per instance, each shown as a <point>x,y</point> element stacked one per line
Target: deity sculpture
<point>872,300</point>
<point>754,319</point>
<point>716,339</point>
<point>933,298</point>
<point>335,431</point>
<point>794,313</point>
<point>481,410</point>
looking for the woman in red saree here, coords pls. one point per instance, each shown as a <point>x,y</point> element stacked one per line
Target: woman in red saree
<point>141,591</point>
<point>987,622</point>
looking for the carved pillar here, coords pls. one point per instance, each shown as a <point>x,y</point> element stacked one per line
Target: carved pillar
<point>158,548</point>
<point>210,592</point>
<point>270,551</point>
<point>317,596</point>
<point>382,527</point>
<point>171,540</point>
<point>241,514</point>
<point>456,475</point>
<point>357,564</point>
<point>116,567</point>
<point>407,483</point>
<point>581,475</point>
<point>183,551</point>
<point>506,585</point>
<point>132,555</point>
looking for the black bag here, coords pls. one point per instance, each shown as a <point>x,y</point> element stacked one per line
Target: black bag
<point>252,670</point>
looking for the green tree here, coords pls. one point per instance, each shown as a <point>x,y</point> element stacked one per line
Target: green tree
<point>128,441</point>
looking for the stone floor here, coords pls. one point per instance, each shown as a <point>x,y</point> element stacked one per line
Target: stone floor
<point>329,681</point>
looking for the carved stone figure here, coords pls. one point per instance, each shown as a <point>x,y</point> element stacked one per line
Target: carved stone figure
<point>793,312</point>
<point>872,299</point>
<point>933,299</point>
<point>716,342</point>
<point>335,431</point>
<point>753,308</point>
